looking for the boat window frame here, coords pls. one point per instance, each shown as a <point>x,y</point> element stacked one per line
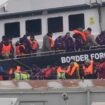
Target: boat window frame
<point>13,28</point>
<point>71,26</point>
<point>50,19</point>
<point>33,33</point>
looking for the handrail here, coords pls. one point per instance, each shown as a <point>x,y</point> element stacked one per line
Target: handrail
<point>40,53</point>
<point>99,46</point>
<point>48,53</point>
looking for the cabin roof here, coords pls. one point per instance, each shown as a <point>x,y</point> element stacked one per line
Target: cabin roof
<point>35,12</point>
<point>28,5</point>
<point>7,15</point>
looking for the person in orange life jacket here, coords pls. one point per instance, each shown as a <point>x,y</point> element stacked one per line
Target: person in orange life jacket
<point>80,32</point>
<point>47,72</point>
<point>80,39</point>
<point>34,44</point>
<point>1,44</point>
<point>20,49</point>
<point>11,73</point>
<point>7,49</point>
<point>72,71</point>
<point>88,69</point>
<point>60,72</point>
<point>51,42</point>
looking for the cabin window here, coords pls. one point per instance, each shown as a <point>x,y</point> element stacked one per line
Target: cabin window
<point>76,21</point>
<point>12,30</point>
<point>55,24</point>
<point>33,27</point>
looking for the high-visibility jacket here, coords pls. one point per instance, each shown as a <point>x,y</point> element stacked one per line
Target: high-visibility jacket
<point>60,73</point>
<point>25,76</point>
<point>34,44</point>
<point>17,75</point>
<point>70,71</point>
<point>81,33</point>
<point>51,42</point>
<point>6,49</point>
<point>89,69</point>
<point>21,76</point>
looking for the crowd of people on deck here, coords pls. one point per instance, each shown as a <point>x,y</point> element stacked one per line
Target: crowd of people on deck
<point>77,41</point>
<point>22,47</point>
<point>80,40</point>
<point>88,70</point>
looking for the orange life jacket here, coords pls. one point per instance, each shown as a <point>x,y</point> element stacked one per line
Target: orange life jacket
<point>6,49</point>
<point>70,71</point>
<point>51,42</point>
<point>81,33</point>
<point>87,33</point>
<point>33,44</point>
<point>18,52</point>
<point>10,73</point>
<point>89,69</point>
<point>47,72</point>
<point>1,78</point>
<point>59,70</point>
